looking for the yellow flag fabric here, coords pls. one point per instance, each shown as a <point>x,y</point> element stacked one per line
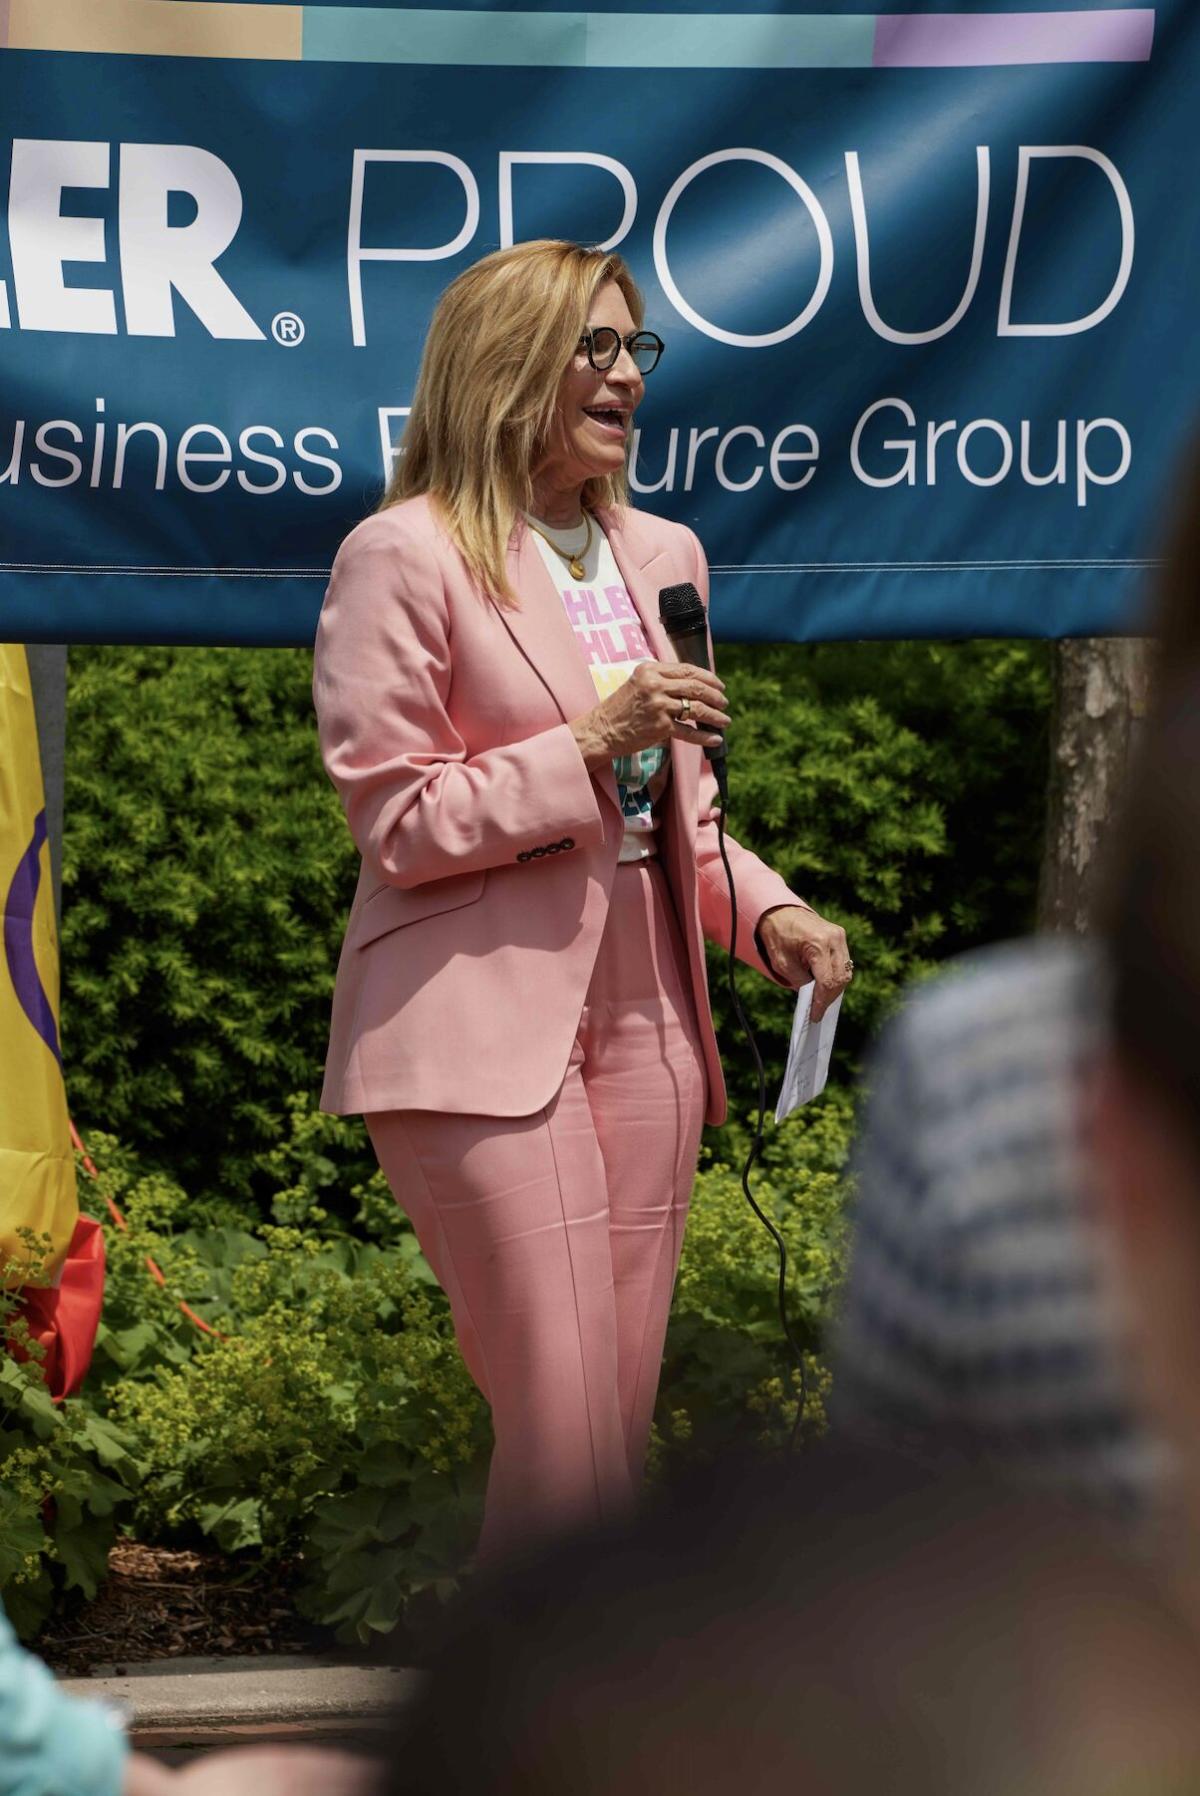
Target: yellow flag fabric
<point>37,1168</point>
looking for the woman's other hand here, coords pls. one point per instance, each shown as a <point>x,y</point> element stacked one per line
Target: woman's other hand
<point>645,711</point>
<point>801,945</point>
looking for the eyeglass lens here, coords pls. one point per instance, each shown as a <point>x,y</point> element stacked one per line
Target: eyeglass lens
<point>645,349</point>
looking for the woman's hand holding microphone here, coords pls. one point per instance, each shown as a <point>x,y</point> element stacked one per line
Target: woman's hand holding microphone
<point>659,700</point>
<point>662,699</point>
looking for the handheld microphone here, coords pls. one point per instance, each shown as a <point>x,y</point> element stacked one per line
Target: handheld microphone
<point>681,611</point>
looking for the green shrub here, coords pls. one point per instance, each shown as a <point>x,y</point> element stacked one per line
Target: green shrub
<point>729,1376</point>
<point>207,872</point>
<point>900,788</point>
<point>328,1414</point>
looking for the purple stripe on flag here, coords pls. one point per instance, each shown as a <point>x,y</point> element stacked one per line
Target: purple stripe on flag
<point>956,40</point>
<point>18,940</point>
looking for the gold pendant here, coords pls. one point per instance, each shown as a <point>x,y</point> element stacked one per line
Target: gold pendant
<point>577,568</point>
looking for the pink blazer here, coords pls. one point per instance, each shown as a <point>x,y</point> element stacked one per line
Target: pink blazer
<point>488,849</point>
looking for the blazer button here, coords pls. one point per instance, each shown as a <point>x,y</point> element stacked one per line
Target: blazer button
<point>567,842</point>
<point>537,853</point>
<point>553,847</point>
<point>524,855</point>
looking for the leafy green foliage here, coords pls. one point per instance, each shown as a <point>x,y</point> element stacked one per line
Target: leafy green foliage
<point>331,1373</point>
<point>207,871</point>
<point>65,1471</point>
<point>729,1376</point>
<point>899,788</point>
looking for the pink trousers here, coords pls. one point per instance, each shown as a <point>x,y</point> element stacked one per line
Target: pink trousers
<point>556,1236</point>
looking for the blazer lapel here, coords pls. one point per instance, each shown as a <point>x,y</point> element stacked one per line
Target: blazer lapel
<point>644,580</point>
<point>542,632</point>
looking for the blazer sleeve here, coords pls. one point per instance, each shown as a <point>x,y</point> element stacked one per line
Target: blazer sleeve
<point>418,806</point>
<point>759,888</point>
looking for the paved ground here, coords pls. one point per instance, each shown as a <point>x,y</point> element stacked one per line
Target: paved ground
<point>183,1707</point>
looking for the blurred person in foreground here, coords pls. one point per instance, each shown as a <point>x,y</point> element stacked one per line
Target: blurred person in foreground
<point>979,1316</point>
<point>837,1625</point>
<point>53,1744</point>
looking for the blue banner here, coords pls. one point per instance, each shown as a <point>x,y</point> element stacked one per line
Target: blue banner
<point>926,280</point>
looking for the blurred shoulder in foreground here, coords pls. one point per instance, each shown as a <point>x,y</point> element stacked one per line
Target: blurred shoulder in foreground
<point>978,1318</point>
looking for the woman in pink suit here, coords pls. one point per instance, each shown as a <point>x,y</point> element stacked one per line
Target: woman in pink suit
<point>521,1008</point>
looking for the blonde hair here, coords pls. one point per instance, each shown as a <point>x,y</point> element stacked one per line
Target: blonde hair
<point>500,340</point>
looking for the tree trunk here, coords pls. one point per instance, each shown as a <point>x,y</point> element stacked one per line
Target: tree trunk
<point>1100,686</point>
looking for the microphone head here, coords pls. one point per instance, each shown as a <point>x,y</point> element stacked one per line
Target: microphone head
<point>681,609</point>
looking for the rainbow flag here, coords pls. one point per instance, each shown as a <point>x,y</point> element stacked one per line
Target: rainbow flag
<point>37,1167</point>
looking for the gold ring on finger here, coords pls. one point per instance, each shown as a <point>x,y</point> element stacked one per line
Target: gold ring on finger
<point>685,710</point>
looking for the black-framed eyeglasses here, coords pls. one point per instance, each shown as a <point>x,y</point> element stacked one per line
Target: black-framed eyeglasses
<point>603,345</point>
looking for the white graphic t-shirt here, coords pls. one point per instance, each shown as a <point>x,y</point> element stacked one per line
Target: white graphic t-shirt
<point>612,641</point>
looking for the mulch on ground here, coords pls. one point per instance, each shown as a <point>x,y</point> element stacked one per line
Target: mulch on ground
<point>163,1603</point>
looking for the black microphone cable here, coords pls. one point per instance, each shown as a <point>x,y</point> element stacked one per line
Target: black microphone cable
<point>681,610</point>
<point>720,772</point>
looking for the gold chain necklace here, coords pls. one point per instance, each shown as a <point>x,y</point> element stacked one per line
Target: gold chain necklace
<point>575,562</point>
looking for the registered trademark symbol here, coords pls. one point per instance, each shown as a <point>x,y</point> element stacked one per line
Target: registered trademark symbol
<point>288,329</point>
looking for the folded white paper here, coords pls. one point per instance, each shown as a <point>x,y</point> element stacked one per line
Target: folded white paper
<point>808,1055</point>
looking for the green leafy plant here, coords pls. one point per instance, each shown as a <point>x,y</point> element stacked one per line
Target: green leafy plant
<point>900,788</point>
<point>729,1375</point>
<point>327,1415</point>
<point>207,873</point>
<point>67,1474</point>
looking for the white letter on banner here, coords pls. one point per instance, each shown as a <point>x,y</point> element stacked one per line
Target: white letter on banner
<point>591,160</point>
<point>862,244</point>
<point>824,241</point>
<point>667,483</point>
<point>156,256</point>
<point>1006,453</point>
<point>257,455</point>
<point>319,461</point>
<point>1084,473</point>
<point>390,449</point>
<point>67,455</point>
<point>760,441</point>
<point>184,453</point>
<point>1058,473</point>
<point>779,455</point>
<point>1006,328</point>
<point>124,432</point>
<point>41,239</point>
<point>908,469</point>
<point>356,255</point>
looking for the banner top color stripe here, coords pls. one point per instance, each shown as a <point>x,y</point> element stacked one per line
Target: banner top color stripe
<point>231,29</point>
<point>590,40</point>
<point>990,40</point>
<point>242,30</point>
